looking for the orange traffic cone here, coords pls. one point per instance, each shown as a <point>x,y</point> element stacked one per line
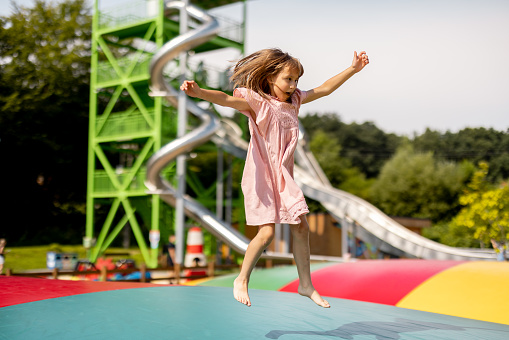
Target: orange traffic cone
<point>194,253</point>
<point>194,250</point>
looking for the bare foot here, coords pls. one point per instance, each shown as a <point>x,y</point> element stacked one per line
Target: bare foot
<point>313,295</point>
<point>240,291</point>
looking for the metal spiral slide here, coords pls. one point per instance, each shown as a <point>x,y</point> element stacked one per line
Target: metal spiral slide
<point>210,127</point>
<point>373,226</point>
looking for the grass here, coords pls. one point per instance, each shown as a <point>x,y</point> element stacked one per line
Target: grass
<point>21,259</point>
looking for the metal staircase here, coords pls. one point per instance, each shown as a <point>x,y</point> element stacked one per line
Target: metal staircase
<point>127,125</point>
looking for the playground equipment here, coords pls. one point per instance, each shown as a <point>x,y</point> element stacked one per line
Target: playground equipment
<point>370,223</point>
<point>364,220</point>
<point>128,125</point>
<point>39,309</point>
<point>468,289</point>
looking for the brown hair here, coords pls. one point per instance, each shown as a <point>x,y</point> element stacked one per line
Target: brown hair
<point>254,71</point>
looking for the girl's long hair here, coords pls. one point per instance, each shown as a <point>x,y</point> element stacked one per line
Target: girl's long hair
<point>255,70</point>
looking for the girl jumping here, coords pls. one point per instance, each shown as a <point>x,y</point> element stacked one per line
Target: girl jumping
<point>266,92</point>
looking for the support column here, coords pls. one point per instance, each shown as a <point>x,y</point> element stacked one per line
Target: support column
<point>181,160</point>
<point>89,233</point>
<point>344,237</point>
<point>219,200</point>
<point>277,237</point>
<point>286,238</point>
<point>229,201</point>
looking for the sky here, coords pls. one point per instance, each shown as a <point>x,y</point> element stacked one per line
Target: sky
<point>438,64</point>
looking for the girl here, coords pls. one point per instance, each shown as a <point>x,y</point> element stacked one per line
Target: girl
<point>266,92</point>
<point>2,258</point>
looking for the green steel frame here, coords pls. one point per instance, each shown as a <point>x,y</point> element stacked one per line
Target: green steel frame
<point>127,124</point>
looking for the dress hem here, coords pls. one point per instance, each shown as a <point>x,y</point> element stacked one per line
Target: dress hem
<point>280,222</point>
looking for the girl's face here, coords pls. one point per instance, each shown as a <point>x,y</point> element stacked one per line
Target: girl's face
<point>284,84</point>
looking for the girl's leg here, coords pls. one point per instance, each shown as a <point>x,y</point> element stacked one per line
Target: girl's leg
<point>300,233</point>
<point>254,251</point>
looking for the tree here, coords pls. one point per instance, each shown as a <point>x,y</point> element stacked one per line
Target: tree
<point>472,144</point>
<point>327,122</point>
<point>416,185</point>
<point>486,209</point>
<point>44,93</point>
<point>444,233</point>
<point>338,169</point>
<point>365,145</point>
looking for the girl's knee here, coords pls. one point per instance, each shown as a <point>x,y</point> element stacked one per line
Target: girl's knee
<point>300,229</point>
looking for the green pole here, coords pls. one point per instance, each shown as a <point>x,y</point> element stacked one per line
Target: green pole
<point>158,112</point>
<point>91,132</point>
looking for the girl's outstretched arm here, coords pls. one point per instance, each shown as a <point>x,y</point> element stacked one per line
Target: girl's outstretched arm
<point>216,97</point>
<point>331,85</point>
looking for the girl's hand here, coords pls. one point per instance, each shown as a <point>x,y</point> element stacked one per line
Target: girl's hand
<point>359,61</point>
<point>191,88</point>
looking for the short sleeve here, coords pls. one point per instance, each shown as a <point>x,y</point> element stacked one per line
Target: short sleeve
<point>260,105</point>
<point>299,97</point>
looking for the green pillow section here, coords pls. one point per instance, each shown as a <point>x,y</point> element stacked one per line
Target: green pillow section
<point>266,279</point>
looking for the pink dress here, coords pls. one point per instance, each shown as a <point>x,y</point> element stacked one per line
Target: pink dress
<point>270,192</point>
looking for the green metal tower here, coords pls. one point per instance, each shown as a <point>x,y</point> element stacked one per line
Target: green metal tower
<point>127,125</point>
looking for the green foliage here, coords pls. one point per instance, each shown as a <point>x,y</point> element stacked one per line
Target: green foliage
<point>473,144</point>
<point>365,145</point>
<point>416,185</point>
<point>339,170</point>
<point>443,232</point>
<point>486,209</point>
<point>45,52</point>
<point>326,151</point>
<point>328,122</point>
<point>44,87</point>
